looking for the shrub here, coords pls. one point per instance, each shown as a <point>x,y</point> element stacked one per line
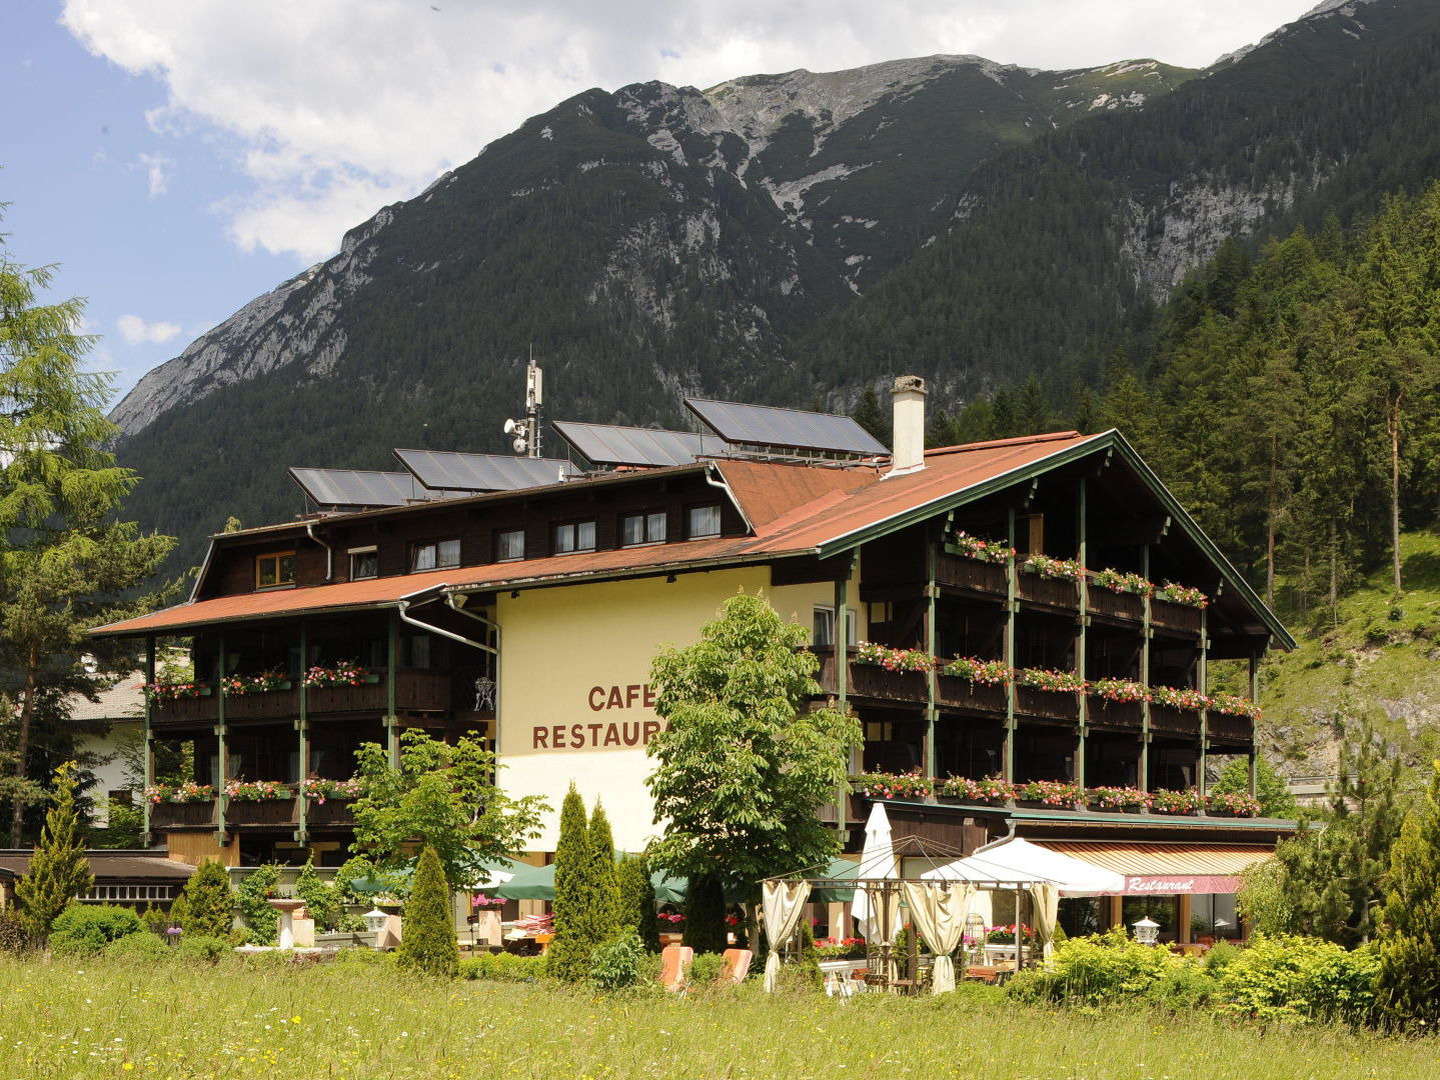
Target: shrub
<point>706,969</point>
<point>142,947</point>
<point>58,868</point>
<point>427,943</point>
<point>13,935</point>
<point>322,899</point>
<point>505,967</point>
<point>1300,980</point>
<point>1183,986</point>
<point>88,928</point>
<point>257,887</point>
<point>209,905</point>
<point>616,964</point>
<point>156,920</point>
<point>1096,970</point>
<point>570,951</point>
<point>201,947</point>
<point>705,929</point>
<point>1220,956</point>
<point>637,900</point>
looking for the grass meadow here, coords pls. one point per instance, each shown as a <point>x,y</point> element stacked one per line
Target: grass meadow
<point>98,1019</point>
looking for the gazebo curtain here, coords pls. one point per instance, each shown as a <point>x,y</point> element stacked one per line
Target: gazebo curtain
<point>784,903</point>
<point>1045,900</point>
<point>939,912</point>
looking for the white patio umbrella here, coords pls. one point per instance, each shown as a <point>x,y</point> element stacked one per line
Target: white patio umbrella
<point>877,863</point>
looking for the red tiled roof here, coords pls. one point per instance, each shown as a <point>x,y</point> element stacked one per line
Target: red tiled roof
<point>795,509</point>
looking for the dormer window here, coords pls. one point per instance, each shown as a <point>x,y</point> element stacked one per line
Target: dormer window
<point>574,536</point>
<point>637,529</point>
<point>703,521</point>
<point>435,555</point>
<point>275,568</point>
<point>364,563</point>
<point>510,545</point>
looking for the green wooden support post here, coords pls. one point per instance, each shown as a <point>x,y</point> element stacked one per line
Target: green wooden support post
<point>392,719</point>
<point>222,752</point>
<point>302,730</point>
<point>1081,663</point>
<point>1142,767</point>
<point>841,650</point>
<point>147,765</point>
<point>932,559</point>
<point>1200,780</point>
<point>1254,761</point>
<point>1011,603</point>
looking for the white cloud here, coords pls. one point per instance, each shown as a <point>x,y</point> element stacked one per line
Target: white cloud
<point>157,172</point>
<point>342,105</point>
<point>137,331</point>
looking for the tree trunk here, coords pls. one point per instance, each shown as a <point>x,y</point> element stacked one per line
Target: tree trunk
<point>1270,523</point>
<point>22,748</point>
<point>1334,578</point>
<point>1394,425</point>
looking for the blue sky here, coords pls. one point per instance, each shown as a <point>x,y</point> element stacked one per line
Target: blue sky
<point>180,157</point>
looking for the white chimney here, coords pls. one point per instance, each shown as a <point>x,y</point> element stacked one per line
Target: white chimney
<point>908,454</point>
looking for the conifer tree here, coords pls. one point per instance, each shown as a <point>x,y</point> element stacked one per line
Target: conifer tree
<point>604,907</point>
<point>1408,987</point>
<point>322,899</point>
<point>637,901</point>
<point>427,940</point>
<point>705,915</point>
<point>569,955</point>
<point>208,907</point>
<point>58,870</point>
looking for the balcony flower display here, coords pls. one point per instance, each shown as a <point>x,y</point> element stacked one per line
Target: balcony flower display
<point>1235,705</point>
<point>1182,594</point>
<point>321,788</point>
<point>1050,792</point>
<point>981,672</point>
<point>345,673</point>
<point>1234,803</point>
<point>1055,569</point>
<point>187,791</point>
<point>867,652</point>
<point>265,682</point>
<point>1121,582</point>
<point>1119,690</point>
<point>893,785</point>
<point>1005,935</point>
<point>1175,802</point>
<point>992,789</point>
<point>670,920</point>
<point>257,790</point>
<point>1179,697</point>
<point>481,902</point>
<point>850,948</point>
<point>174,691</point>
<point>1045,679</point>
<point>1116,798</point>
<point>990,551</point>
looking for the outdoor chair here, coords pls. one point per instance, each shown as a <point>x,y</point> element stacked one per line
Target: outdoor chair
<point>737,965</point>
<point>675,961</point>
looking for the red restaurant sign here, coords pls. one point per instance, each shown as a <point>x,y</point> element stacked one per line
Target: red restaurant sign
<point>1180,883</point>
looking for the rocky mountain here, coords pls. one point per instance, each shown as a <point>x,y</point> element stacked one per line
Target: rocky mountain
<point>782,237</point>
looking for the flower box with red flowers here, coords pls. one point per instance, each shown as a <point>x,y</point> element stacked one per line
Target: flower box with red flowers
<point>893,785</point>
<point>891,659</point>
<point>991,790</point>
<point>1184,595</point>
<point>1049,793</point>
<point>1233,705</point>
<point>1005,935</point>
<point>1175,802</point>
<point>988,551</point>
<point>175,691</point>
<point>1117,799</point>
<point>343,674</point>
<point>1232,804</point>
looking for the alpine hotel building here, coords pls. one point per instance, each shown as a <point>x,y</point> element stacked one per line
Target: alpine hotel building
<point>524,598</point>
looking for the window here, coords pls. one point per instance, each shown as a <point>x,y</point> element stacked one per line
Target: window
<point>703,521</point>
<point>577,536</point>
<point>435,555</point>
<point>510,545</point>
<point>364,563</point>
<point>824,627</point>
<point>642,529</point>
<point>275,569</point>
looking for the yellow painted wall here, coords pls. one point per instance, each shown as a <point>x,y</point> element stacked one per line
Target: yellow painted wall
<point>195,847</point>
<point>565,651</point>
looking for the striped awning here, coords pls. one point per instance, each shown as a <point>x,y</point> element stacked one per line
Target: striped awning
<point>1167,868</point>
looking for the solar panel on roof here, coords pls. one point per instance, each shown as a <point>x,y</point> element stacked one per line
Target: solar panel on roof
<point>612,444</point>
<point>445,470</point>
<point>763,425</point>
<point>358,487</point>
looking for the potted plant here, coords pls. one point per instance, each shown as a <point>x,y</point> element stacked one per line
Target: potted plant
<point>981,672</point>
<point>175,691</point>
<point>265,682</point>
<point>345,673</point>
<point>988,551</point>
<point>1124,800</point>
<point>1179,697</point>
<point>1182,594</point>
<point>1234,705</point>
<point>1053,569</point>
<point>322,789</point>
<point>1050,680</point>
<point>1232,804</point>
<point>992,790</point>
<point>1049,794</point>
<point>1120,691</point>
<point>1119,581</point>
<point>892,659</point>
<point>893,785</point>
<point>1176,803</point>
<point>187,791</point>
<point>257,790</point>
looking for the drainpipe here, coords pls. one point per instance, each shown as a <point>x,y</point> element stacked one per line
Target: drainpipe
<point>725,487</point>
<point>329,551</point>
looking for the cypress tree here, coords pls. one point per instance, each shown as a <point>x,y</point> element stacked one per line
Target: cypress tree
<point>569,955</point>
<point>637,901</point>
<point>206,906</point>
<point>1408,987</point>
<point>322,899</point>
<point>58,870</point>
<point>705,915</point>
<point>427,941</point>
<point>604,887</point>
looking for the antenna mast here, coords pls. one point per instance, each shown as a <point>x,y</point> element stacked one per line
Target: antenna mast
<point>526,432</point>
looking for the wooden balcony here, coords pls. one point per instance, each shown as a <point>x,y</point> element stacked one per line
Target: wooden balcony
<point>1124,715</point>
<point>1168,720</point>
<point>872,682</point>
<point>1047,704</point>
<point>415,691</point>
<point>1178,617</point>
<point>1116,605</point>
<point>260,812</point>
<point>1048,592</point>
<point>330,812</point>
<point>170,815</point>
<point>954,693</point>
<point>972,575</point>
<point>1230,727</point>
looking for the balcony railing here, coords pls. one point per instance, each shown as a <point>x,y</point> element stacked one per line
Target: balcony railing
<point>1169,720</point>
<point>179,815</point>
<point>1229,726</point>
<point>251,812</point>
<point>1125,715</point>
<point>1116,605</point>
<point>970,696</point>
<point>971,574</point>
<point>1172,616</point>
<point>415,691</point>
<point>1048,704</point>
<point>871,681</point>
<point>260,812</point>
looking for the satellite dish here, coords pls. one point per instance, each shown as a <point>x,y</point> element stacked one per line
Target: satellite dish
<point>520,446</point>
<point>509,427</point>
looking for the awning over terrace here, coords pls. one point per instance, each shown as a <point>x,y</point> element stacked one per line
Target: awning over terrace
<point>1148,867</point>
<point>1014,861</point>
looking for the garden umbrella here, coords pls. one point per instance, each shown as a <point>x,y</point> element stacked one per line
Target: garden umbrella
<point>877,863</point>
<point>837,870</point>
<point>529,883</point>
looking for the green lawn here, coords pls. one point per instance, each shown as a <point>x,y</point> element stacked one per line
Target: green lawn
<point>90,1019</point>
